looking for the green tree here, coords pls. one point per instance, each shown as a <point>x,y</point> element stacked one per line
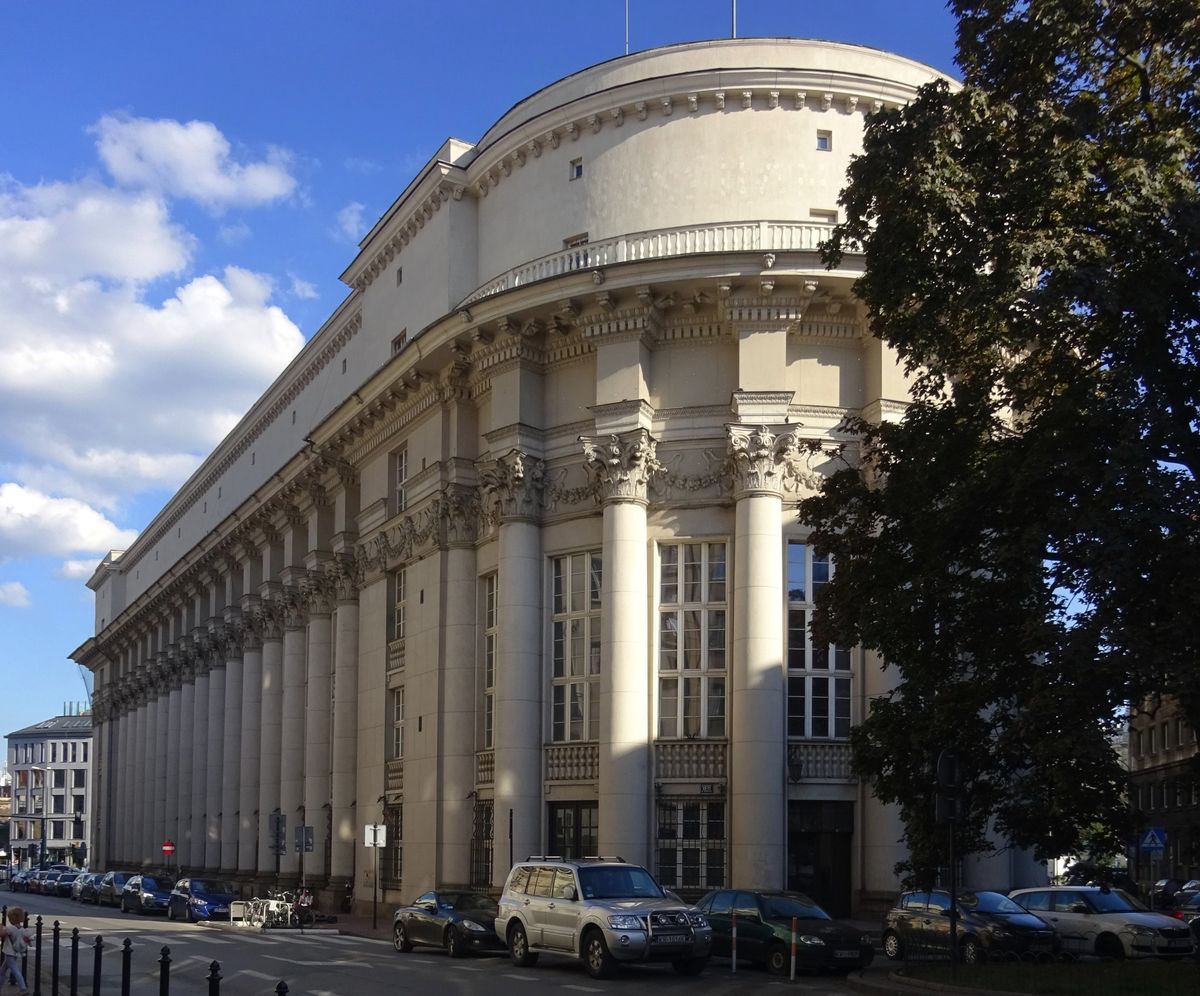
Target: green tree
<point>1021,547</point>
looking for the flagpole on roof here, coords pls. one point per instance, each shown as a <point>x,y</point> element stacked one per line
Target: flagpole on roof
<point>626,27</point>
<point>734,32</point>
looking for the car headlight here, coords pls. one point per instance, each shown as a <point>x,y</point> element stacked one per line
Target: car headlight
<point>147,895</point>
<point>697,920</point>
<point>1139,931</point>
<point>623,921</point>
<point>472,925</point>
<point>811,940</point>
<point>196,902</point>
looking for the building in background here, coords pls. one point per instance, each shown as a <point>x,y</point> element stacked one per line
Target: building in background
<point>1164,788</point>
<point>50,764</point>
<point>507,559</point>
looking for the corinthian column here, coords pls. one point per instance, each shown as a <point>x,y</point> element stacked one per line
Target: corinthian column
<point>170,786</point>
<point>763,461</point>
<point>291,764</point>
<point>317,706</point>
<point>187,749</point>
<point>215,746</point>
<point>252,658</point>
<point>158,799</point>
<point>621,466</point>
<point>272,729</point>
<point>231,757</point>
<point>345,725</point>
<point>514,486</point>
<point>199,754</point>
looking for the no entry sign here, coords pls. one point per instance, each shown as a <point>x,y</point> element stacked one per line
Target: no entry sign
<point>168,847</point>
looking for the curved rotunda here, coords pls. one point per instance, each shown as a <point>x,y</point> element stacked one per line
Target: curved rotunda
<point>507,558</point>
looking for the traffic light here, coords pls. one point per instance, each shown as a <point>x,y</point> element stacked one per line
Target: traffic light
<point>949,786</point>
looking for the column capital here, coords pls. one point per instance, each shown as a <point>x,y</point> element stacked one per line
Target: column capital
<point>763,459</point>
<point>513,484</point>
<point>621,464</point>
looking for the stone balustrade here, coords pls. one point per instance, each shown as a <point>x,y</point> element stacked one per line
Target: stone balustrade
<point>698,760</point>
<point>485,767</point>
<point>827,761</point>
<point>395,655</point>
<point>394,777</point>
<point>572,762</point>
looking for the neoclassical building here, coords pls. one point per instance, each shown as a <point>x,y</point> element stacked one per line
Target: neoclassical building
<point>507,559</point>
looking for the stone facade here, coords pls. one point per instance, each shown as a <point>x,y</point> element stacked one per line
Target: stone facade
<point>508,557</point>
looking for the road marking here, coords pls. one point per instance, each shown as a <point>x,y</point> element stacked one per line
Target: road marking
<point>467,968</point>
<point>324,963</point>
<point>585,989</point>
<point>256,975</point>
<point>520,978</point>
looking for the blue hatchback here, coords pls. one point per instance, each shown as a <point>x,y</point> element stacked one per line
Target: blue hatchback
<point>195,899</point>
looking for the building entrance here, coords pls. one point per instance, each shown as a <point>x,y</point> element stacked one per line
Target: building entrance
<point>818,858</point>
<point>574,829</point>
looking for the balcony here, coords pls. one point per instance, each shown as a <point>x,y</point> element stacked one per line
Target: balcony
<point>691,760</point>
<point>485,767</point>
<point>663,243</point>
<point>822,761</point>
<point>395,655</point>
<point>572,762</point>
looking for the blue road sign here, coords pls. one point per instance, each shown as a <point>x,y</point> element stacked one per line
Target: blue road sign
<point>1154,839</point>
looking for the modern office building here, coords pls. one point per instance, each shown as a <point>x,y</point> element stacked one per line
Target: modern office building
<point>50,764</point>
<point>507,559</point>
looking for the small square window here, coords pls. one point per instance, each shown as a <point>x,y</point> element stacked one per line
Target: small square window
<point>824,216</point>
<point>400,341</point>
<point>576,168</point>
<point>824,141</point>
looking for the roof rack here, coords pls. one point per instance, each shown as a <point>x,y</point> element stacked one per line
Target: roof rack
<point>544,857</point>
<point>603,857</point>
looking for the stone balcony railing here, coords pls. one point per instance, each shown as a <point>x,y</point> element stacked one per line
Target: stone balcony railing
<point>572,762</point>
<point>485,767</point>
<point>821,761</point>
<point>689,240</point>
<point>697,760</point>
<point>395,655</point>
<point>393,777</point>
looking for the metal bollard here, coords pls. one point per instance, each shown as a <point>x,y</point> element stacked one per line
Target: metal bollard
<point>74,961</point>
<point>126,965</point>
<point>733,942</point>
<point>164,972</point>
<point>795,921</point>
<point>37,961</point>
<point>214,979</point>
<point>54,959</point>
<point>281,989</point>
<point>99,946</point>
<point>25,956</point>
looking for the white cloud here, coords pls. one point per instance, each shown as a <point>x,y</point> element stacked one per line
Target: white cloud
<point>359,164</point>
<point>303,289</point>
<point>235,233</point>
<point>77,570</point>
<point>190,160</point>
<point>350,221</point>
<point>14,594</point>
<point>34,523</point>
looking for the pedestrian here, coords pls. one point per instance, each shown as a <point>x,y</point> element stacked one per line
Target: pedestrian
<point>16,943</point>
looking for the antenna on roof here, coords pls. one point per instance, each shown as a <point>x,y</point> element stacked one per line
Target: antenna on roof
<point>733,34</point>
<point>626,27</point>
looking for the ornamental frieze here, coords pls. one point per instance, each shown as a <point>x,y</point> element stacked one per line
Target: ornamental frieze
<point>621,465</point>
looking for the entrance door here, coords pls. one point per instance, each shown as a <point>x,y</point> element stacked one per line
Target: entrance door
<point>573,829</point>
<point>819,838</point>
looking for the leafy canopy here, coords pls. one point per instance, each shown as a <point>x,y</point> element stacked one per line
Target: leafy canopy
<point>1021,548</point>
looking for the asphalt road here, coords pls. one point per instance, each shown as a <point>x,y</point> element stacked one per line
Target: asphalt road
<point>325,963</point>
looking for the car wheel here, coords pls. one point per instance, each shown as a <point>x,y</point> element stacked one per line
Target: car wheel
<point>400,939</point>
<point>518,947</point>
<point>170,911</point>
<point>1110,946</point>
<point>972,952</point>
<point>596,959</point>
<point>455,948</point>
<point>689,966</point>
<point>893,947</point>
<point>124,905</point>
<point>778,960</point>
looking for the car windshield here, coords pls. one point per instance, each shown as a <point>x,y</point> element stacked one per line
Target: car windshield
<point>467,901</point>
<point>625,882</point>
<point>150,884</point>
<point>1113,901</point>
<point>213,887</point>
<point>786,907</point>
<point>989,902</point>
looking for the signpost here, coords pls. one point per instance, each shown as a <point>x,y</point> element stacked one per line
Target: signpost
<point>375,835</point>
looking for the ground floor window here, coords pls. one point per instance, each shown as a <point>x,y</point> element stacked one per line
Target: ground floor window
<point>391,862</point>
<point>691,844</point>
<point>574,829</point>
<point>482,833</point>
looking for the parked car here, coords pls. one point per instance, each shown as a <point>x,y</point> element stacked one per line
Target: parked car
<point>77,886</point>
<point>89,891</point>
<point>19,881</point>
<point>1162,893</point>
<point>458,921</point>
<point>764,931</point>
<point>1106,922</point>
<point>47,883</point>
<point>990,925</point>
<point>602,911</point>
<point>1189,913</point>
<point>64,883</point>
<point>144,894</point>
<point>195,899</point>
<point>111,887</point>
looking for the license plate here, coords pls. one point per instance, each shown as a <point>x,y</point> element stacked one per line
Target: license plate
<point>1181,942</point>
<point>845,954</point>
<point>220,909</point>
<point>671,938</point>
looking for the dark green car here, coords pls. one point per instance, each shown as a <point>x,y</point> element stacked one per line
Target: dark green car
<point>764,932</point>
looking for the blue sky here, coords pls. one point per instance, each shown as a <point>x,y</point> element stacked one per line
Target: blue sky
<point>180,186</point>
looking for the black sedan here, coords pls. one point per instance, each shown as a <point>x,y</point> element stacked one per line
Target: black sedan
<point>145,894</point>
<point>19,881</point>
<point>460,922</point>
<point>1189,912</point>
<point>764,932</point>
<point>990,925</point>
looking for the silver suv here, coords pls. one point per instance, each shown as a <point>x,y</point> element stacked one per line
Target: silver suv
<point>602,910</point>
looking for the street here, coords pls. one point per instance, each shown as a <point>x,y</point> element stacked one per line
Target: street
<point>325,963</point>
